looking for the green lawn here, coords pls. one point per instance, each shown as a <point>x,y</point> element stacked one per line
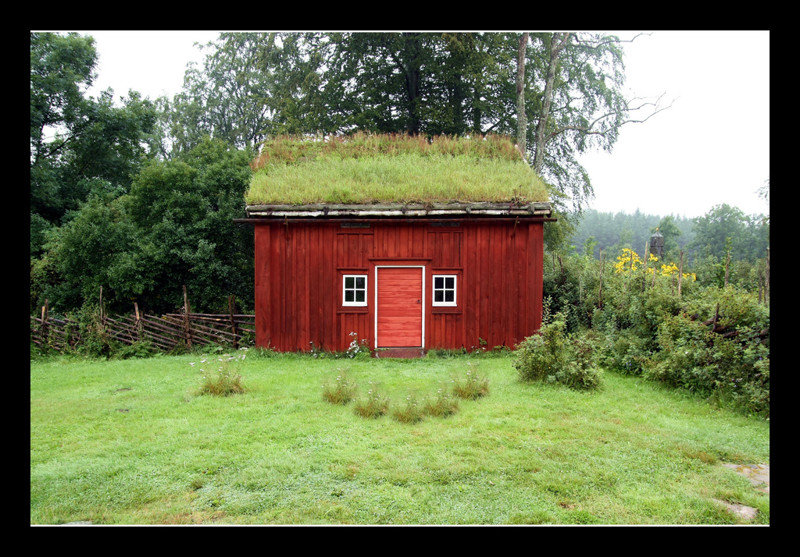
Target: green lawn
<point>129,442</point>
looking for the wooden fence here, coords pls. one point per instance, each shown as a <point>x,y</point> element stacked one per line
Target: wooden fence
<point>164,332</point>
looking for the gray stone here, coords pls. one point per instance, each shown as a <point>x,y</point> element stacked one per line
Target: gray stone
<point>758,474</point>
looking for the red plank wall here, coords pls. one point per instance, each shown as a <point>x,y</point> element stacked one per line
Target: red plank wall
<point>299,268</point>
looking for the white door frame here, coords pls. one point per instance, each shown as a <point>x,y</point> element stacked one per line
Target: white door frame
<point>422,301</point>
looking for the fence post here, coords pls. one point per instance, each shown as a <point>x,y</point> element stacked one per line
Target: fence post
<point>138,322</point>
<point>186,311</point>
<point>44,330</point>
<point>234,329</point>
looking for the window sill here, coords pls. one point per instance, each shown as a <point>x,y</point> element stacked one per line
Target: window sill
<point>353,309</point>
<point>445,309</point>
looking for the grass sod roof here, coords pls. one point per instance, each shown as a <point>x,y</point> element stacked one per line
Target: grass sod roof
<point>370,168</point>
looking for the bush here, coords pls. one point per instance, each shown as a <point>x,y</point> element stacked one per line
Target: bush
<point>625,352</point>
<point>555,357</point>
<point>95,342</point>
<point>139,349</point>
<point>339,391</point>
<point>472,386</point>
<point>734,369</point>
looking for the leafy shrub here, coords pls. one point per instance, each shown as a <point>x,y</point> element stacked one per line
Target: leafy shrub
<point>693,357</point>
<point>339,391</point>
<point>625,352</point>
<point>374,405</point>
<point>95,342</point>
<point>472,386</point>
<point>411,412</point>
<point>555,357</point>
<point>441,405</point>
<point>225,381</point>
<point>140,349</point>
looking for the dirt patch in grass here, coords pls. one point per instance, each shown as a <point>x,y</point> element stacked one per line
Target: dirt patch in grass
<point>758,474</point>
<point>702,456</point>
<point>740,511</point>
<point>192,518</point>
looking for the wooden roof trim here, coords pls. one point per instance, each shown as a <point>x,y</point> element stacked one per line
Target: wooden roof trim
<point>320,210</point>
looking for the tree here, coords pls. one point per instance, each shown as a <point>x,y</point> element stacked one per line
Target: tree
<point>670,231</point>
<point>84,254</point>
<point>577,104</point>
<point>79,144</point>
<point>230,97</point>
<point>183,211</point>
<point>427,83</point>
<point>62,67</point>
<point>749,235</point>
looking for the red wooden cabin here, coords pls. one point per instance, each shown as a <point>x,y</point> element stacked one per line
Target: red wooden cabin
<point>404,278</point>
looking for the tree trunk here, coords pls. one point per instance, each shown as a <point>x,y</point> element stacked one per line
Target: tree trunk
<point>522,119</point>
<point>412,81</point>
<point>557,43</point>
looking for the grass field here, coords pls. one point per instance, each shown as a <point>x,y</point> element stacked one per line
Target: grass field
<point>130,442</point>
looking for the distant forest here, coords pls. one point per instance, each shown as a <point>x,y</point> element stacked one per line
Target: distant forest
<point>722,228</point>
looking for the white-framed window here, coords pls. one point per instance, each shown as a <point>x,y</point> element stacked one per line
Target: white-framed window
<point>354,290</point>
<point>444,290</point>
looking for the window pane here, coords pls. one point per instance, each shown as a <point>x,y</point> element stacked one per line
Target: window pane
<point>438,282</point>
<point>438,296</point>
<point>360,282</point>
<point>348,295</point>
<point>449,296</point>
<point>359,295</point>
<point>450,282</point>
<point>349,282</point>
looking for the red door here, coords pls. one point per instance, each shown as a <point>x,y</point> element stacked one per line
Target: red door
<point>399,307</point>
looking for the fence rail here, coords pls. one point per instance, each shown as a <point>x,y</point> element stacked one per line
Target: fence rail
<point>164,332</point>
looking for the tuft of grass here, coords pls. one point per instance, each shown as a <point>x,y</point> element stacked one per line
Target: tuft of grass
<point>340,390</point>
<point>225,381</point>
<point>441,405</point>
<point>411,412</point>
<point>472,386</point>
<point>374,405</point>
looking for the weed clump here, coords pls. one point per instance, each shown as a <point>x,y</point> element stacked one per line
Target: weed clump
<point>339,391</point>
<point>472,386</point>
<point>225,381</point>
<point>411,412</point>
<point>374,405</point>
<point>441,405</point>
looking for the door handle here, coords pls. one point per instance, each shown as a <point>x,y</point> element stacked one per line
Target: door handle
<point>419,301</point>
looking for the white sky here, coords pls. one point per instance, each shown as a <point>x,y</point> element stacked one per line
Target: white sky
<point>710,147</point>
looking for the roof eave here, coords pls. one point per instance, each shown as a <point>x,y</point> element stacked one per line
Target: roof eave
<point>327,210</point>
